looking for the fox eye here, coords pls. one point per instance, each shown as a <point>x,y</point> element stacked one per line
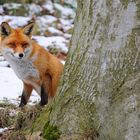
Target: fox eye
<point>11,44</point>
<point>25,45</point>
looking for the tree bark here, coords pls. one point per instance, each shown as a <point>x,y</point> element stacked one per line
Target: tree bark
<point>99,94</point>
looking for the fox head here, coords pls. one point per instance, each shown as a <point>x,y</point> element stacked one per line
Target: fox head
<point>16,43</point>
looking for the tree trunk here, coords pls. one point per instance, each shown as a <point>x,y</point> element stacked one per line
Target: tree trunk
<point>99,96</point>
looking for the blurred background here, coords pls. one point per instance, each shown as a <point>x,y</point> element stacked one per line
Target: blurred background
<point>54,21</point>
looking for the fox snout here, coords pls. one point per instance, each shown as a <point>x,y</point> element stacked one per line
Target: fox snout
<point>19,55</point>
<point>18,52</point>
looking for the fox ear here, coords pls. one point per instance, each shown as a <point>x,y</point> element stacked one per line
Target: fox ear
<point>5,29</point>
<point>28,29</point>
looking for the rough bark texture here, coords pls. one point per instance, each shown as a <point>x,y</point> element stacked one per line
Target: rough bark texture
<point>99,96</point>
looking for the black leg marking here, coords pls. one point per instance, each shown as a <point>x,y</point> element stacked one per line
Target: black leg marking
<point>44,96</point>
<point>23,100</point>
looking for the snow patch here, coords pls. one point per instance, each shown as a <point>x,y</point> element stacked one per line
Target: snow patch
<point>57,42</point>
<point>11,86</point>
<point>3,129</point>
<point>34,9</point>
<point>65,11</point>
<point>49,6</point>
<point>15,21</point>
<point>54,31</point>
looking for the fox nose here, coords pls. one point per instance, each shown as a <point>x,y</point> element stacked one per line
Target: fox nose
<point>21,55</point>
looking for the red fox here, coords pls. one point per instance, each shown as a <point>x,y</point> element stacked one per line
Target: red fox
<point>35,66</point>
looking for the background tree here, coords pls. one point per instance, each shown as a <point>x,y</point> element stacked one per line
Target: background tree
<point>99,96</point>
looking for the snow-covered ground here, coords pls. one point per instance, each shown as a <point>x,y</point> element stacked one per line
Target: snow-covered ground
<point>3,129</point>
<point>11,87</point>
<point>57,42</point>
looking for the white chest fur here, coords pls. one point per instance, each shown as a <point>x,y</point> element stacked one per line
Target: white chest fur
<point>24,69</point>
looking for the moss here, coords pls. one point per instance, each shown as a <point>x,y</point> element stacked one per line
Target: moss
<point>108,3</point>
<point>91,8</point>
<point>22,11</point>
<point>26,118</point>
<point>7,114</point>
<point>5,118</point>
<point>51,132</point>
<point>113,37</point>
<point>107,20</point>
<point>6,1</point>
<point>7,104</point>
<point>39,123</point>
<point>136,30</point>
<point>16,136</point>
<point>138,10</point>
<point>80,4</point>
<point>124,3</point>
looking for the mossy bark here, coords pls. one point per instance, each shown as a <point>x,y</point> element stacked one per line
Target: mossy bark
<point>99,93</point>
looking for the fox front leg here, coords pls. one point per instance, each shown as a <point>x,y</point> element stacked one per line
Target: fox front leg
<point>46,89</point>
<point>26,93</point>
